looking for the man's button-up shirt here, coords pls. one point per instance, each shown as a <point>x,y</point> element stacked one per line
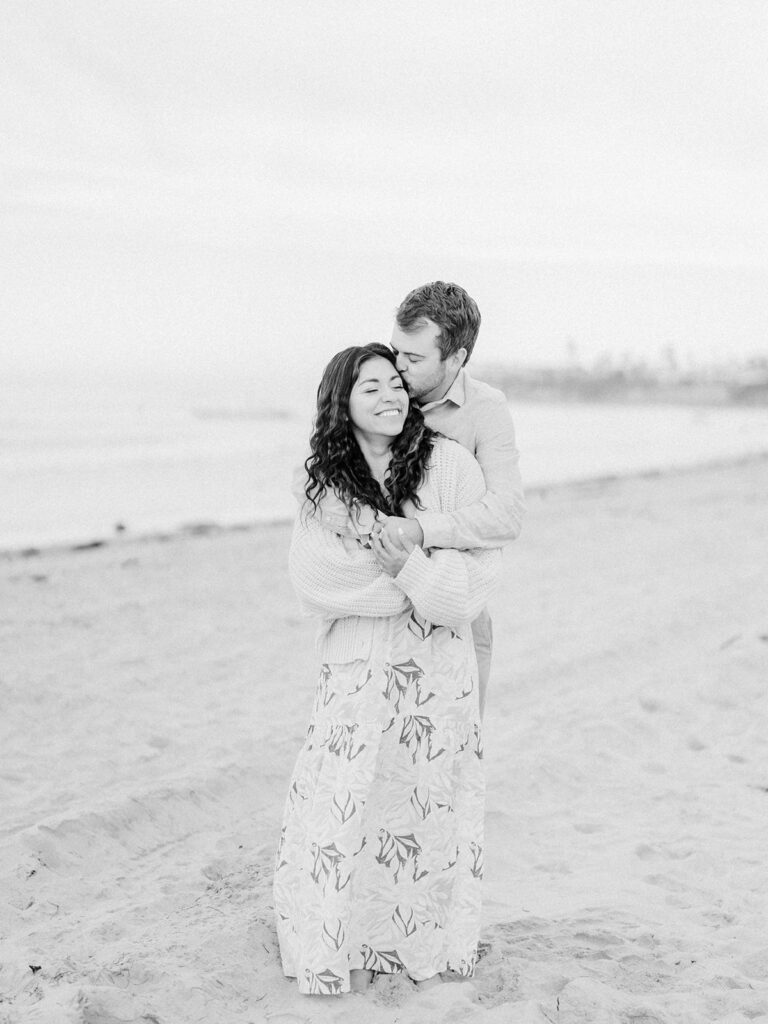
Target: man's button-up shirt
<point>478,417</point>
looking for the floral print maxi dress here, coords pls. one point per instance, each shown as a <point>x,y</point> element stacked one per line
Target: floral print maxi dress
<point>381,851</point>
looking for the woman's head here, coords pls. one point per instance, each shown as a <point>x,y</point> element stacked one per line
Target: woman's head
<point>362,394</point>
<point>361,390</point>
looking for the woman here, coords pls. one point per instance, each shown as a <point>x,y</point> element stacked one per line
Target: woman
<point>380,856</point>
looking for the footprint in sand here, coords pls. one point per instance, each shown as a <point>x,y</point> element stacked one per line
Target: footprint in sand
<point>650,704</point>
<point>647,852</point>
<point>665,882</point>
<point>589,827</point>
<point>598,938</point>
<point>755,967</point>
<point>497,984</point>
<point>556,867</point>
<point>288,1018</point>
<point>262,942</point>
<point>216,870</point>
<point>392,989</point>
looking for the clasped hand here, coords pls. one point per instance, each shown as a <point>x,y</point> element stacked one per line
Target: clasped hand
<point>393,539</point>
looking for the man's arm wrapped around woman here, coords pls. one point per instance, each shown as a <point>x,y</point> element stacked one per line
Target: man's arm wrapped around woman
<point>337,577</point>
<point>450,587</point>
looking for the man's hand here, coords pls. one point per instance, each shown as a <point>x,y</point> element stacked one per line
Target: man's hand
<point>391,556</point>
<point>394,526</point>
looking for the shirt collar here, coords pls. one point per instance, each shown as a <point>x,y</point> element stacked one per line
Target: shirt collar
<point>456,393</point>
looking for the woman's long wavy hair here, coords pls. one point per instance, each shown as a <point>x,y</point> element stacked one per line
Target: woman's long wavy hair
<point>336,461</point>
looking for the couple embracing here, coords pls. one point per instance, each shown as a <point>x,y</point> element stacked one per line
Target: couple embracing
<point>410,490</point>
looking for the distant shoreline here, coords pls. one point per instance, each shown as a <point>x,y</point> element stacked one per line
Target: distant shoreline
<point>699,398</point>
<point>633,386</point>
<point>208,529</point>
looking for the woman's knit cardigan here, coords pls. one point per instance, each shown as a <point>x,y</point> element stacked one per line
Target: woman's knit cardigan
<point>339,579</point>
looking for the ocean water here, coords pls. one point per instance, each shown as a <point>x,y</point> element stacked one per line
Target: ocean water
<point>77,465</point>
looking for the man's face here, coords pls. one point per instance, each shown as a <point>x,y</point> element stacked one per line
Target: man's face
<point>418,360</point>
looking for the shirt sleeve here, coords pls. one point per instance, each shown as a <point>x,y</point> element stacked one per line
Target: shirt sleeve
<point>497,517</point>
<point>337,577</point>
<point>451,587</point>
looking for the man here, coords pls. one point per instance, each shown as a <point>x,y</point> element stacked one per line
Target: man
<point>436,327</point>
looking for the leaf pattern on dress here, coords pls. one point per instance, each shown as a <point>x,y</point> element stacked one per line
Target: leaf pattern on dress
<point>334,937</point>
<point>279,861</point>
<point>295,794</point>
<point>416,736</point>
<point>360,686</point>
<point>327,867</point>
<point>341,741</point>
<point>420,698</point>
<point>452,863</point>
<point>323,983</point>
<point>478,743</point>
<point>399,678</point>
<point>397,850</point>
<point>421,800</point>
<point>406,923</point>
<point>419,626</point>
<point>343,807</point>
<point>324,693</point>
<point>367,875</point>
<point>384,961</point>
<point>469,691</point>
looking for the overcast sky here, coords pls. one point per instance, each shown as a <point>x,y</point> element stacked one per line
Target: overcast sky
<point>226,187</point>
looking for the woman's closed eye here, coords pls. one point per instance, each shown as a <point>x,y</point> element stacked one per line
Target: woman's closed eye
<point>396,386</point>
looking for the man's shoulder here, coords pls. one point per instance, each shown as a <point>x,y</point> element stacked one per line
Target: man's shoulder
<point>487,408</point>
<point>480,392</point>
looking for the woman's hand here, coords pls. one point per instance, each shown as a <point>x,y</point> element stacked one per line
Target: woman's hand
<point>394,525</point>
<point>390,554</point>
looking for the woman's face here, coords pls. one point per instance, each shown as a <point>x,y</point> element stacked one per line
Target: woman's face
<point>378,402</point>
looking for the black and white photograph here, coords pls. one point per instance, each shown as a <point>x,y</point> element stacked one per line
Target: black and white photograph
<point>383,512</point>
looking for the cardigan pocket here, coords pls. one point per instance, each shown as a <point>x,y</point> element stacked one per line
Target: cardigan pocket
<point>346,640</point>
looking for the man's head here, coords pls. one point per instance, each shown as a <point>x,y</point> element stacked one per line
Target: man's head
<point>435,330</point>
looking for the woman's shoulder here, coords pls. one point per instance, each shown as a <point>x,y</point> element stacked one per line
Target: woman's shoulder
<point>449,453</point>
<point>452,468</point>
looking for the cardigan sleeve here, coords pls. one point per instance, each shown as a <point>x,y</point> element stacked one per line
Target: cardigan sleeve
<point>450,587</point>
<point>336,578</point>
<point>447,586</point>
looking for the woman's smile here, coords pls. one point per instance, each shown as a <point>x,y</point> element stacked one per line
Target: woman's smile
<point>378,394</point>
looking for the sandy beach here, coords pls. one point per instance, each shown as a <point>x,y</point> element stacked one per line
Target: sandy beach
<point>153,697</point>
